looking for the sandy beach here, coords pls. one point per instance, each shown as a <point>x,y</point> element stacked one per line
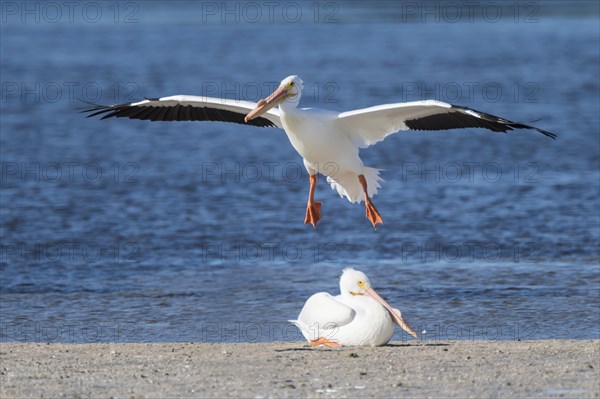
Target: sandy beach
<point>551,368</point>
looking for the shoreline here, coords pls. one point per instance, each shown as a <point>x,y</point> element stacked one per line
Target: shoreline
<point>540,368</point>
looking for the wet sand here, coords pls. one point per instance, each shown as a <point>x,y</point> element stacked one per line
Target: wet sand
<point>552,368</point>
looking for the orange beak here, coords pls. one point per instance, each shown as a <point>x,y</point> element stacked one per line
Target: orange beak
<point>266,104</point>
<point>395,313</point>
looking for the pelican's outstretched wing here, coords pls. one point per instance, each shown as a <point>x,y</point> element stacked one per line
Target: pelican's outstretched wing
<point>368,126</point>
<point>187,108</point>
<point>323,315</point>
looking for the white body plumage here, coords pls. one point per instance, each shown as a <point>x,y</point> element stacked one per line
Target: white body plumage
<point>356,317</point>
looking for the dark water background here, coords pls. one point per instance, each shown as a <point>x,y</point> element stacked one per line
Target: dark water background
<point>136,231</point>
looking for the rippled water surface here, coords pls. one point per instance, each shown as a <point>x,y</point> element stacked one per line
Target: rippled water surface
<point>137,231</point>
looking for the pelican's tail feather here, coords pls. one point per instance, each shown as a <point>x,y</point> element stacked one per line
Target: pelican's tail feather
<point>348,185</point>
<point>302,327</point>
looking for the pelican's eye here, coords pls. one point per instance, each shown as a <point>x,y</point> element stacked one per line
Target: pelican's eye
<point>361,284</point>
<point>291,84</point>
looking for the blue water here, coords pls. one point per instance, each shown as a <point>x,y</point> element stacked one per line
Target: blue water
<point>124,230</point>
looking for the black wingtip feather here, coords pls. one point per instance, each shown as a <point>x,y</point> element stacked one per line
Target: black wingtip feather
<point>496,123</point>
<point>501,122</point>
<point>546,133</point>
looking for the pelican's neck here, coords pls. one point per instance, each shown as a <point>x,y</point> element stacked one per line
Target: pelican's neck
<point>288,106</point>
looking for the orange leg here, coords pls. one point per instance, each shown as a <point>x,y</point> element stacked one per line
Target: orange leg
<point>325,342</point>
<point>313,208</point>
<point>372,213</point>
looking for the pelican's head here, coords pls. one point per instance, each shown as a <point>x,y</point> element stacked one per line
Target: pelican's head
<point>288,93</point>
<point>356,284</point>
<point>293,85</point>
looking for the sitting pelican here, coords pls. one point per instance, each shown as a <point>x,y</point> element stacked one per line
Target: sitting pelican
<point>356,317</point>
<point>328,141</point>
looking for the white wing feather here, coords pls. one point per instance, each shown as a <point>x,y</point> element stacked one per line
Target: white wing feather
<point>368,126</point>
<point>322,313</point>
<point>218,103</point>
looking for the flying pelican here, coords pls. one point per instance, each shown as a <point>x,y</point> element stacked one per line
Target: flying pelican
<point>356,317</point>
<point>328,141</point>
